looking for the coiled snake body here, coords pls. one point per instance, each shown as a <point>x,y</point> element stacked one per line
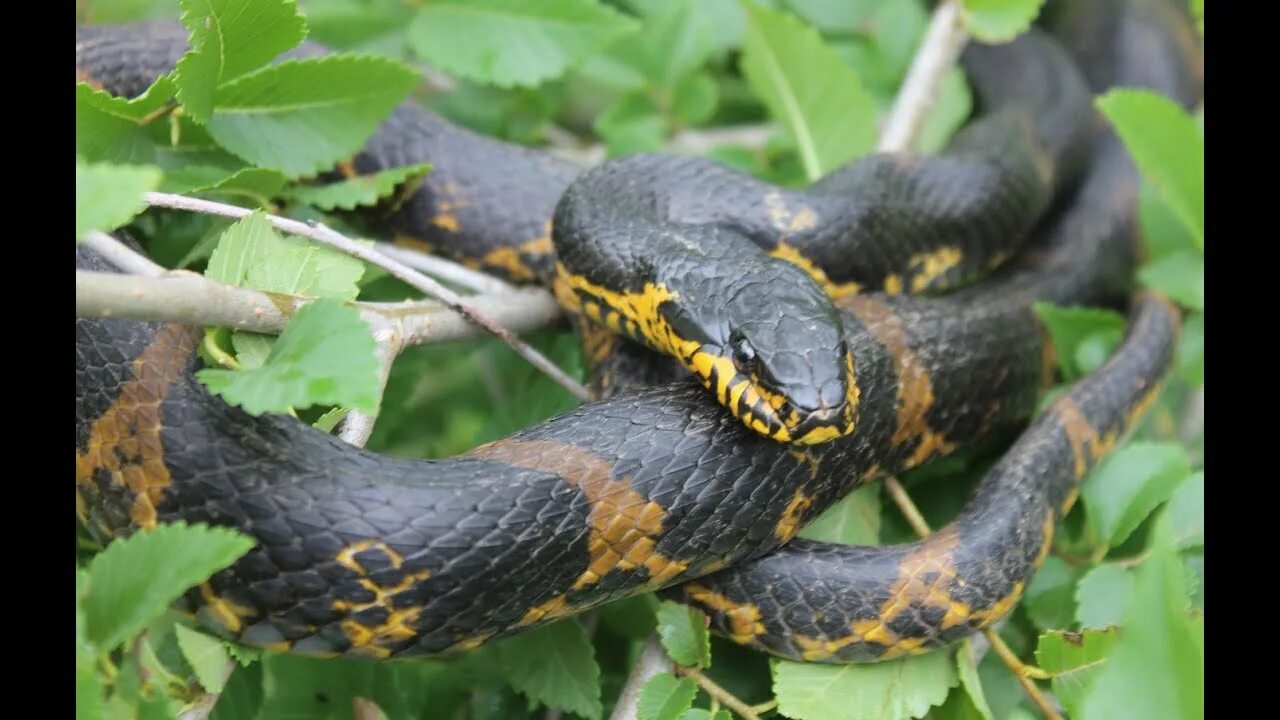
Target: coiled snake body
<point>662,487</point>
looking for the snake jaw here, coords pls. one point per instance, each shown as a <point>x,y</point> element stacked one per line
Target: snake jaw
<point>769,412</point>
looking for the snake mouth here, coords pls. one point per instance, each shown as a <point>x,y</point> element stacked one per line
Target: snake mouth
<point>769,412</point>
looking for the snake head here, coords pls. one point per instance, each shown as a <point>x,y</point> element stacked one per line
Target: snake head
<point>774,354</point>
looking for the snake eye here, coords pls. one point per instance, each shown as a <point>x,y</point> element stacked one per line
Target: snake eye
<point>744,355</point>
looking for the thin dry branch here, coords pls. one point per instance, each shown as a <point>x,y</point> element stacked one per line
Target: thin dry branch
<point>942,43</point>
<point>326,236</point>
<point>118,254</point>
<point>653,660</point>
<point>185,297</point>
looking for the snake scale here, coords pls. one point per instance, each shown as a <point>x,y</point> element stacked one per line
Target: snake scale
<point>663,488</point>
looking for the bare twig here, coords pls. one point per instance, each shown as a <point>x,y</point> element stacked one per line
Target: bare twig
<point>446,270</point>
<point>710,687</point>
<point>908,508</point>
<point>184,297</point>
<point>118,254</point>
<point>653,660</point>
<point>938,51</point>
<point>326,236</point>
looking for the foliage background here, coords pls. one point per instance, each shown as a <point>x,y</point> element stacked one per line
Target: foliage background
<point>1114,618</point>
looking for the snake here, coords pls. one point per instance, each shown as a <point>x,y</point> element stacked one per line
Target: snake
<point>667,488</point>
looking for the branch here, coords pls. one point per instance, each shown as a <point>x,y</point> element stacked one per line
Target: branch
<point>445,270</point>
<point>185,297</point>
<point>325,236</point>
<point>653,660</point>
<point>938,51</point>
<point>119,254</point>
<point>731,701</point>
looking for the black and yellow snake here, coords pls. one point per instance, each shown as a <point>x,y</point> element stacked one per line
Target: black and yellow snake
<point>788,305</point>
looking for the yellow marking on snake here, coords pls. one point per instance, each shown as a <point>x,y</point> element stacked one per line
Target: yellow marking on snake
<point>222,612</point>
<point>448,201</point>
<point>930,266</point>
<point>784,220</point>
<point>893,284</point>
<point>789,253</point>
<point>511,260</point>
<point>793,515</point>
<point>915,386</point>
<point>744,618</point>
<point>556,607</point>
<point>378,641</point>
<point>124,442</point>
<point>1082,436</point>
<point>625,527</point>
<point>924,578</point>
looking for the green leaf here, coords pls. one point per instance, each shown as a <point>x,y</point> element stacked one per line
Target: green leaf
<point>634,617</point>
<point>1179,275</point>
<point>809,88</point>
<point>241,698</point>
<point>892,690</point>
<point>301,688</point>
<point>108,196</point>
<point>855,520</point>
<point>328,421</point>
<point>252,254</point>
<point>995,21</point>
<point>324,357</point>
<point>1072,327</point>
<point>1049,598</point>
<point>725,18</point>
<point>1191,349</point>
<point>1129,484</point>
<point>228,39</point>
<point>835,16</point>
<point>137,578</point>
<point>206,655</point>
<point>257,184</point>
<point>684,634</point>
<point>1168,148</point>
<point>971,700</point>
<point>304,116</point>
<point>1102,595</point>
<point>674,41</point>
<point>88,684</point>
<point>112,129</point>
<point>513,42</point>
<point>362,191</point>
<point>1073,659</point>
<point>665,698</point>
<point>1156,669</point>
<point>1186,513</point>
<point>555,665</point>
<point>252,349</point>
<point>370,26</point>
<point>694,99</point>
<point>632,124</point>
<point>703,714</point>
<point>1162,230</point>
